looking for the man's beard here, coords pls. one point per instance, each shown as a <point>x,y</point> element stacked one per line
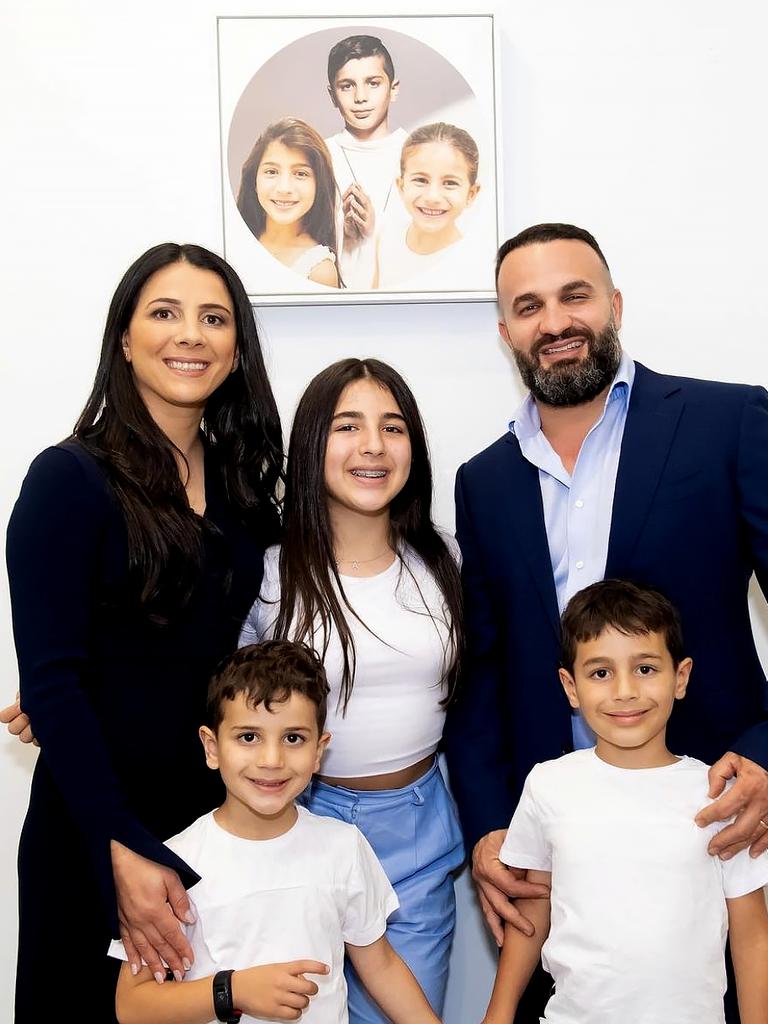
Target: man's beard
<point>572,381</point>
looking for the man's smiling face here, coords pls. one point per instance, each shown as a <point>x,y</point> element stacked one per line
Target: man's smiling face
<point>560,316</point>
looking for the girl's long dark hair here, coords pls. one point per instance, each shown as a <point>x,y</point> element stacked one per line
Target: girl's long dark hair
<point>308,570</point>
<point>240,423</point>
<point>320,222</point>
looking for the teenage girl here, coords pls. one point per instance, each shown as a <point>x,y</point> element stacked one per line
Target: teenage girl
<point>366,578</point>
<point>287,198</point>
<point>437,183</point>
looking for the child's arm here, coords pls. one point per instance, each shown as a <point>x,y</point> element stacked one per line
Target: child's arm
<point>748,932</point>
<point>390,982</point>
<point>269,990</point>
<point>325,273</point>
<point>519,955</point>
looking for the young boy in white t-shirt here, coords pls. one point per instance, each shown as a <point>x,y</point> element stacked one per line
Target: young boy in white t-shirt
<point>638,913</point>
<point>366,153</point>
<point>283,892</point>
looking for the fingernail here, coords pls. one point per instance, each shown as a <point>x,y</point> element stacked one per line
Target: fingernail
<point>134,969</point>
<point>726,855</point>
<point>186,964</point>
<point>159,978</point>
<point>178,975</point>
<point>189,917</point>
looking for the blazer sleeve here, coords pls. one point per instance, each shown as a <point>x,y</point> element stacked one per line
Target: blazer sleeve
<point>752,469</point>
<point>476,749</point>
<point>54,542</point>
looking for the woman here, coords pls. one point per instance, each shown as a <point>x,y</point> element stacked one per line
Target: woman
<point>366,578</point>
<point>134,551</point>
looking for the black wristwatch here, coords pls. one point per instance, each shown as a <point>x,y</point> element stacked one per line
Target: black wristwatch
<point>222,998</point>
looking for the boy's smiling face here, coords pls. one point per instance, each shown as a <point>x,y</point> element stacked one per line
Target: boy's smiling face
<point>362,93</point>
<point>625,687</point>
<point>266,759</point>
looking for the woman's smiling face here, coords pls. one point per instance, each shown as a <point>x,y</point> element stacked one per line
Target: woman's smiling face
<point>181,341</point>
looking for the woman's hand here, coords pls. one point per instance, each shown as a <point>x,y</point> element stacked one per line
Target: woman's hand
<point>18,722</point>
<point>152,905</point>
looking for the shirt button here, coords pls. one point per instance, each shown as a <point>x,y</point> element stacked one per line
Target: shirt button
<point>579,565</point>
<point>579,503</point>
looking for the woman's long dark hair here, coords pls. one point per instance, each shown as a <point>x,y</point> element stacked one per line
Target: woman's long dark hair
<point>320,221</point>
<point>240,422</point>
<point>308,569</point>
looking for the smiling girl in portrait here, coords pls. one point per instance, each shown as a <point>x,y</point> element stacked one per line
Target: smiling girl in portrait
<point>437,183</point>
<point>287,197</point>
<point>364,577</point>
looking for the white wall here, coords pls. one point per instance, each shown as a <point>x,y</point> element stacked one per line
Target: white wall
<point>643,121</point>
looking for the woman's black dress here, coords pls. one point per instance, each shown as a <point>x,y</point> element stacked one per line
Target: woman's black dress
<point>116,702</point>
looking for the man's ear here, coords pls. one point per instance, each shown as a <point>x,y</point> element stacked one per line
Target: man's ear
<point>332,95</point>
<point>505,333</point>
<point>322,743</point>
<point>210,746</point>
<point>617,305</point>
<point>569,686</point>
<point>683,674</point>
<point>394,89</point>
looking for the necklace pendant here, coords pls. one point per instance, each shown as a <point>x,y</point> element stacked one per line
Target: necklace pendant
<point>355,565</point>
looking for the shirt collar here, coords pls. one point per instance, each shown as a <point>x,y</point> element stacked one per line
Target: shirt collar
<point>526,422</point>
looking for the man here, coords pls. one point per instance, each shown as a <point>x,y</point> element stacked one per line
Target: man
<point>366,153</point>
<point>608,470</point>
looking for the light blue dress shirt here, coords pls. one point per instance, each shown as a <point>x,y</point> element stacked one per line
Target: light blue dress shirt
<point>578,506</point>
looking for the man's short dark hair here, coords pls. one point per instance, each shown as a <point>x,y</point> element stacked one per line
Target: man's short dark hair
<point>548,233</point>
<point>355,48</point>
<point>266,673</point>
<point>626,607</point>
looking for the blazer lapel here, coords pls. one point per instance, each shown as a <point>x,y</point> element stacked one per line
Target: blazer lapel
<point>655,406</point>
<point>524,510</point>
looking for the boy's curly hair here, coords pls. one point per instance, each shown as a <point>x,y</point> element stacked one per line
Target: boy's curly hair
<point>268,672</point>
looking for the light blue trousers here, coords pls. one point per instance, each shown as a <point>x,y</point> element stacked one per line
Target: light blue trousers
<point>415,833</point>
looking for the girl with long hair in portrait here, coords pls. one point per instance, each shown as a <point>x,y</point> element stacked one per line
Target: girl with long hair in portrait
<point>287,197</point>
<point>364,576</point>
<point>134,551</point>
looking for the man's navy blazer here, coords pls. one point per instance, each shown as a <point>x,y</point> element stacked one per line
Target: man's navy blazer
<point>690,517</point>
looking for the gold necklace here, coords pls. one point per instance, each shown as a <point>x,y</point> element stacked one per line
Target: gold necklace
<point>357,562</point>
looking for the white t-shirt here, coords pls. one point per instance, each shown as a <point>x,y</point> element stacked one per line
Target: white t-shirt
<point>394,717</point>
<point>639,920</point>
<point>300,896</point>
<point>400,267</point>
<point>374,164</point>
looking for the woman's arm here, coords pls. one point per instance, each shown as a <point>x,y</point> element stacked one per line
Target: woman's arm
<point>748,934</point>
<point>389,981</point>
<point>55,537</point>
<point>519,956</point>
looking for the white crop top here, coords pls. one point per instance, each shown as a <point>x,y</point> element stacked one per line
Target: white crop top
<point>394,717</point>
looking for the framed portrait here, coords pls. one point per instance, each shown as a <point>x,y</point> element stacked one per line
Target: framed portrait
<point>359,159</point>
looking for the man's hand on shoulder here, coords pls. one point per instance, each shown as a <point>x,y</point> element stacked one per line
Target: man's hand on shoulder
<point>497,884</point>
<point>747,799</point>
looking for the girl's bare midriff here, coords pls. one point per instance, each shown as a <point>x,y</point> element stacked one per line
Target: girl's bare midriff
<point>392,780</point>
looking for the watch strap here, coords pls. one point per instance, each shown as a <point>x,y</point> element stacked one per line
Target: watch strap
<point>222,998</point>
